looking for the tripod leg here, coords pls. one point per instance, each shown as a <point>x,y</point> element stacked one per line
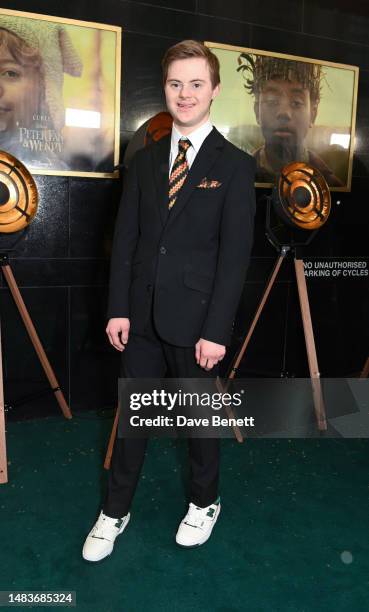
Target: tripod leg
<point>257,314</point>
<point>240,354</point>
<point>113,434</point>
<point>365,371</point>
<point>310,346</point>
<point>36,341</point>
<point>3,459</point>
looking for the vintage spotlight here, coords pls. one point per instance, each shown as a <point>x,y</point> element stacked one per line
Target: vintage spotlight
<point>18,195</point>
<point>303,199</point>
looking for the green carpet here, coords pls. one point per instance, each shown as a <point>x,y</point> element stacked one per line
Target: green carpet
<point>292,535</point>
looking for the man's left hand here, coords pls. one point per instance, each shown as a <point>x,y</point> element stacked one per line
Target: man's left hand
<point>208,354</point>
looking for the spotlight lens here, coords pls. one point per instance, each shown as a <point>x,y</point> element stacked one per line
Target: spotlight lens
<point>302,196</point>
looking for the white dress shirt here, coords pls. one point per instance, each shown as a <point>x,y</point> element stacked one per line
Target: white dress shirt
<point>196,139</point>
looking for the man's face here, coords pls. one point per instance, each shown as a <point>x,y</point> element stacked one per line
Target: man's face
<point>189,92</point>
<point>284,113</point>
<point>19,87</point>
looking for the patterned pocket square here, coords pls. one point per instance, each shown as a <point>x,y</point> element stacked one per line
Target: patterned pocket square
<point>208,184</point>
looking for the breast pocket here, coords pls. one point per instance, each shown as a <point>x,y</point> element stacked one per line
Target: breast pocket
<point>214,192</point>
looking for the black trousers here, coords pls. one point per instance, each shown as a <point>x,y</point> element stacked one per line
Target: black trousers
<point>148,356</point>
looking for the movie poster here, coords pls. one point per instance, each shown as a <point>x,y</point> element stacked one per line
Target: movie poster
<point>282,108</point>
<point>60,94</point>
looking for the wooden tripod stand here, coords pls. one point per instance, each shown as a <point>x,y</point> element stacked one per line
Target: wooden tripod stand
<point>9,277</point>
<point>308,333</point>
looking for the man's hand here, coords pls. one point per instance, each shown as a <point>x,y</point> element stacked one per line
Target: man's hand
<point>208,354</point>
<point>118,330</point>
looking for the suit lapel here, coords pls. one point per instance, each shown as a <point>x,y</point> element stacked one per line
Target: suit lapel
<point>160,155</point>
<point>204,160</point>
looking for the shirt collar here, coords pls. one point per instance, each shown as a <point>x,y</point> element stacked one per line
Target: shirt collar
<point>196,137</point>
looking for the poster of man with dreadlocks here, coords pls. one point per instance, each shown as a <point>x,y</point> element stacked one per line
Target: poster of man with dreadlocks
<point>283,109</point>
<point>59,110</point>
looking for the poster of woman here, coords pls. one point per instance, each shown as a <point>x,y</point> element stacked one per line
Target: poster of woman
<point>281,109</point>
<point>60,94</point>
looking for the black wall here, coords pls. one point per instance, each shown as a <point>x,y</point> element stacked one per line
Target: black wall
<point>62,264</point>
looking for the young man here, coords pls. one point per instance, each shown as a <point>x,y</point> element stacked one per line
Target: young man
<point>287,96</point>
<point>181,250</point>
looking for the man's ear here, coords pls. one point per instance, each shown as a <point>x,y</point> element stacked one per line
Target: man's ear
<point>313,113</point>
<point>216,91</point>
<point>256,111</point>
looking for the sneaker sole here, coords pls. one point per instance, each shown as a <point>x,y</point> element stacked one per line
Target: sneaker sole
<point>106,557</point>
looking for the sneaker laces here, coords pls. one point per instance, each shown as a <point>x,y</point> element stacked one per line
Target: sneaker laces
<point>196,517</point>
<point>104,526</point>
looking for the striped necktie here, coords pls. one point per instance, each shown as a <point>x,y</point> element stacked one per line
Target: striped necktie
<point>179,171</point>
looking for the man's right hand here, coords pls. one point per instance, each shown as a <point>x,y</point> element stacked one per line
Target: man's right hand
<point>118,331</point>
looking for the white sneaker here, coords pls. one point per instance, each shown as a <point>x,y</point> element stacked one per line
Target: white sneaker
<point>100,541</point>
<point>197,525</point>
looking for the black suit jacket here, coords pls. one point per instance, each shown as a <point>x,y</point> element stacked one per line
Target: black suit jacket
<point>193,257</point>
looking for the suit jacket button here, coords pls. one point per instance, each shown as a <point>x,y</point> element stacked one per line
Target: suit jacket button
<point>163,250</point>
